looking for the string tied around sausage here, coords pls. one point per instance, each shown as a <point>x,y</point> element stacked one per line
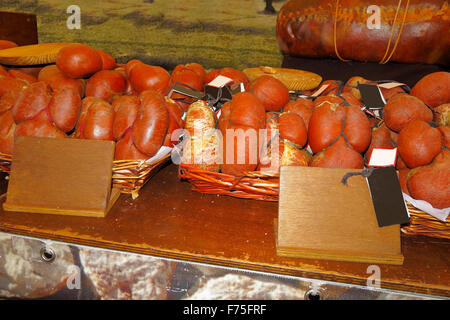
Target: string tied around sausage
<point>386,56</point>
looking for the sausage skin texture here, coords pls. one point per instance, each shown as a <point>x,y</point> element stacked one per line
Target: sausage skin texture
<point>31,101</point>
<point>64,108</point>
<point>98,122</point>
<point>152,122</point>
<point>7,129</point>
<point>306,29</point>
<point>39,126</point>
<point>126,150</point>
<point>126,108</point>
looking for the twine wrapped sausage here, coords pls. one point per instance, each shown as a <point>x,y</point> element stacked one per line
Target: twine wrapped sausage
<point>409,31</point>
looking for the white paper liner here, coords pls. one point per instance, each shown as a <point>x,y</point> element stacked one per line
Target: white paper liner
<point>162,152</point>
<point>425,206</point>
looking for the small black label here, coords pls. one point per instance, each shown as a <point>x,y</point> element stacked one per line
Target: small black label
<point>371,96</point>
<point>387,197</point>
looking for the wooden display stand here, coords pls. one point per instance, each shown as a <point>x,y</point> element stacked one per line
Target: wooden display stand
<point>61,176</point>
<point>321,218</point>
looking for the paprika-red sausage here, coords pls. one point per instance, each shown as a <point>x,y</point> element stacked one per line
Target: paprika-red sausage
<point>64,108</point>
<point>126,108</point>
<point>98,122</point>
<point>152,122</point>
<point>306,28</point>
<point>31,101</point>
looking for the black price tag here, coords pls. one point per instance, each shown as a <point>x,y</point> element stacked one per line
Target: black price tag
<point>371,96</point>
<point>387,197</point>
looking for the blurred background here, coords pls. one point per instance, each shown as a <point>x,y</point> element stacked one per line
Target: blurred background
<point>215,33</point>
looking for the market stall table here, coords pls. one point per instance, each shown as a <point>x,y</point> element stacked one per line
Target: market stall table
<point>171,221</point>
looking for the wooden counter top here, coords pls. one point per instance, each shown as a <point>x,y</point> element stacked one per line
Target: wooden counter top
<point>169,220</point>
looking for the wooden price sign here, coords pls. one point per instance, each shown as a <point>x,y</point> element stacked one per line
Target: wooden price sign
<point>61,176</point>
<point>322,218</point>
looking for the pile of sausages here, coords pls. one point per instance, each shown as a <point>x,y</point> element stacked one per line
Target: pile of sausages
<point>329,129</point>
<point>87,95</point>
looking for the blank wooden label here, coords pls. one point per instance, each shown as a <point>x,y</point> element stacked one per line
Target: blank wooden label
<point>61,176</point>
<point>321,218</point>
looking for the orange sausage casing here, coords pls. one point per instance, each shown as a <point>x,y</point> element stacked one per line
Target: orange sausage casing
<point>64,108</point>
<point>31,101</point>
<point>307,29</point>
<point>152,122</point>
<point>96,120</point>
<point>126,108</point>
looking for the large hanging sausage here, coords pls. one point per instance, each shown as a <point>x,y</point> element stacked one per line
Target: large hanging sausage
<point>349,30</point>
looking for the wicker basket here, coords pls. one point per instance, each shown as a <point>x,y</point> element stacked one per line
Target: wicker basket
<point>264,186</point>
<point>421,223</point>
<point>255,185</point>
<point>127,175</point>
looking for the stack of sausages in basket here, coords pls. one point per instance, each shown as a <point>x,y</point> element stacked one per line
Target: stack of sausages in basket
<point>239,153</point>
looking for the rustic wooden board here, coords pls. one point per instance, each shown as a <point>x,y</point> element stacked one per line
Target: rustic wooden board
<point>169,220</point>
<point>35,54</point>
<point>20,28</point>
<point>61,176</point>
<point>321,218</point>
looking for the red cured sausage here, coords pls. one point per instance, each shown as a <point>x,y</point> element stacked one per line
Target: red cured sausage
<point>64,108</point>
<point>78,61</point>
<point>144,77</point>
<point>7,128</point>
<point>175,122</point>
<point>17,74</point>
<point>419,143</point>
<point>126,150</point>
<point>292,128</point>
<point>106,85</point>
<point>338,155</point>
<point>98,121</point>
<point>183,75</point>
<point>57,80</point>
<point>432,182</point>
<point>433,89</point>
<point>306,28</point>
<point>152,122</point>
<point>329,121</point>
<point>247,110</point>
<point>303,107</point>
<point>126,108</point>
<point>108,61</point>
<point>31,101</point>
<point>272,93</point>
<point>39,126</point>
<point>325,126</point>
<point>8,100</point>
<point>129,90</point>
<point>9,84</point>
<point>402,108</point>
<point>198,69</point>
<point>85,104</point>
